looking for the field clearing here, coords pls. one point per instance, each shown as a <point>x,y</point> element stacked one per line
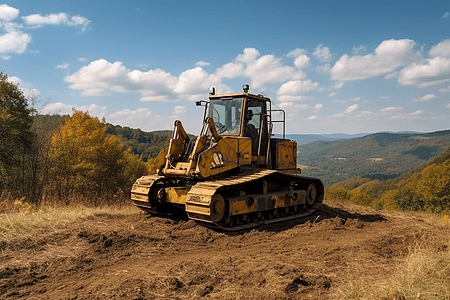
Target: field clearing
<point>340,252</point>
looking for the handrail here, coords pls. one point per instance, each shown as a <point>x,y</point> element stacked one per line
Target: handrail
<point>280,121</point>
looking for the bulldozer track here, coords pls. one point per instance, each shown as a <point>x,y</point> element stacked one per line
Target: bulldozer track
<point>222,185</point>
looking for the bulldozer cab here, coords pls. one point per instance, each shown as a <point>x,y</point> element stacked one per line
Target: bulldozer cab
<point>241,115</point>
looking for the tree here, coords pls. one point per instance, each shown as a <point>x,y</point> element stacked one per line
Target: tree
<point>16,137</point>
<point>88,162</point>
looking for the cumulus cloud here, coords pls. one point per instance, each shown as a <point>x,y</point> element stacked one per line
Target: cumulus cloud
<point>294,90</point>
<point>313,117</point>
<point>446,14</point>
<point>129,114</point>
<point>359,50</point>
<point>430,72</point>
<point>318,107</point>
<point>178,111</point>
<point>14,41</point>
<point>390,109</point>
<point>411,116</point>
<point>63,66</point>
<point>202,63</point>
<point>301,59</point>
<point>388,57</point>
<point>102,77</point>
<point>351,108</point>
<point>332,94</point>
<point>8,13</point>
<point>38,20</point>
<point>425,98</point>
<point>322,53</point>
<point>442,49</point>
<point>66,109</point>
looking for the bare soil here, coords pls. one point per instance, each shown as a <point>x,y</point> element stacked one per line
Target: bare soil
<point>142,257</point>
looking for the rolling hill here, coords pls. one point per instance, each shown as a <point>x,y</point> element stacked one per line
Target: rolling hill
<point>376,156</point>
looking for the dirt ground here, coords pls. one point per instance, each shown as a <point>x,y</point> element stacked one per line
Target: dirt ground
<point>141,257</point>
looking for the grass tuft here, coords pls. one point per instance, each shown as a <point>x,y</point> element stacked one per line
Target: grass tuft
<point>22,220</point>
<point>423,274</point>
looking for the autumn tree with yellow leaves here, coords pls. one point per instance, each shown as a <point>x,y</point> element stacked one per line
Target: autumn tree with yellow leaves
<point>87,162</point>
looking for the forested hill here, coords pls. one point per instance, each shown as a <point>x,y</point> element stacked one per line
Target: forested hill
<point>145,144</point>
<point>376,156</point>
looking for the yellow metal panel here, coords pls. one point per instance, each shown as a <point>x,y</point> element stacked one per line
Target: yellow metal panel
<point>245,151</point>
<point>176,195</point>
<point>160,160</point>
<point>241,207</point>
<point>221,157</point>
<point>285,155</point>
<point>202,210</point>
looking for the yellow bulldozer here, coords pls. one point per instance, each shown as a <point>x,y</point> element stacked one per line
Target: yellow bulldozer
<point>235,175</point>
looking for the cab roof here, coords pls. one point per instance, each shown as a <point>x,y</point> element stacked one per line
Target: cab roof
<point>235,95</point>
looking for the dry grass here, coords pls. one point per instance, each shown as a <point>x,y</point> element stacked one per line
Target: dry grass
<point>423,274</point>
<point>21,218</point>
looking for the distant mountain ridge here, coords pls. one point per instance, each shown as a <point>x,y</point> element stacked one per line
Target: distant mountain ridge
<point>308,138</point>
<point>381,155</point>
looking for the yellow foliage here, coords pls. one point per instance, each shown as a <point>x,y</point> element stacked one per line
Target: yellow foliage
<point>22,206</point>
<point>86,159</point>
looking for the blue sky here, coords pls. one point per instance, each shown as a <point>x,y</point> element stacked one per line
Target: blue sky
<point>334,66</point>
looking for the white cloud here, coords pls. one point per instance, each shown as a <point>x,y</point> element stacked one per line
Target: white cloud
<point>66,109</point>
<point>81,59</point>
<point>390,109</point>
<point>323,68</point>
<point>301,61</point>
<point>129,114</point>
<point>318,107</point>
<point>202,63</point>
<point>269,69</point>
<point>446,14</point>
<point>339,85</point>
<point>101,77</point>
<point>442,49</point>
<point>448,105</point>
<point>14,40</point>
<point>427,73</point>
<point>63,66</point>
<point>8,13</point>
<point>313,117</point>
<point>37,20</point>
<point>425,98</point>
<point>351,108</point>
<point>388,57</point>
<point>322,53</point>
<point>294,107</point>
<point>356,99</point>
<point>294,90</point>
<point>178,111</point>
<point>392,75</point>
<point>332,94</point>
<point>296,52</point>
<point>359,50</point>
<point>411,116</point>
